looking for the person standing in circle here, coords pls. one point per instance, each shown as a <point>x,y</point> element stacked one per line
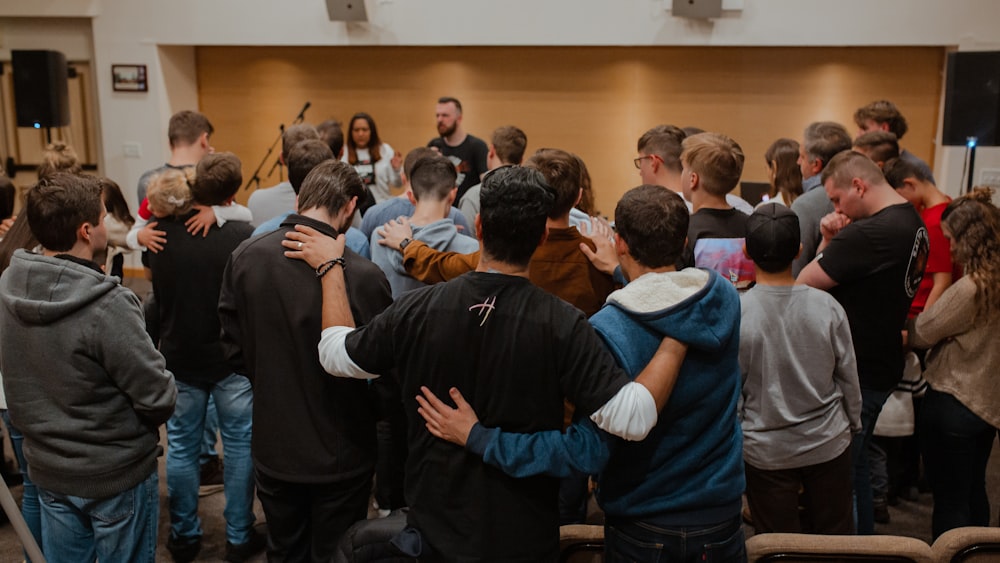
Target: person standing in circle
<point>375,161</point>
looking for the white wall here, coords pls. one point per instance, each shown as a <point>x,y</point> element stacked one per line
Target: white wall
<point>135,31</point>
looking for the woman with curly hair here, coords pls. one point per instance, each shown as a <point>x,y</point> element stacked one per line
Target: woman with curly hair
<point>961,411</point>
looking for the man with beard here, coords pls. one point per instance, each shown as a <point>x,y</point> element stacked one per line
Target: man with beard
<point>467,152</point>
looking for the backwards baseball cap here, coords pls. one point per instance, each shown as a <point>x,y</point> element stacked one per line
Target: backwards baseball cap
<point>773,236</point>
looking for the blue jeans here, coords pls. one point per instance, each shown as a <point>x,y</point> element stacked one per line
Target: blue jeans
<point>30,509</point>
<point>871,406</point>
<point>234,402</point>
<point>633,540</point>
<point>118,528</point>
<point>208,452</point>
<point>956,445</point>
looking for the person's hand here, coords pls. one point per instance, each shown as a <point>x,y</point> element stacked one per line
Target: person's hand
<point>832,223</point>
<point>313,247</point>
<point>394,232</point>
<point>6,224</point>
<point>396,162</point>
<point>203,221</point>
<point>605,257</point>
<point>152,239</point>
<point>451,424</point>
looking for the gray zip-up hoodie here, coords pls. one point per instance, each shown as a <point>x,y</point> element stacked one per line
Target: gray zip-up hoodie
<point>84,383</point>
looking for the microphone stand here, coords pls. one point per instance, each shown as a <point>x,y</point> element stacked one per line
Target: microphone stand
<point>255,179</point>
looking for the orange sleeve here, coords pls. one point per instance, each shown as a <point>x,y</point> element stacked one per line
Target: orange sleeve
<point>433,266</point>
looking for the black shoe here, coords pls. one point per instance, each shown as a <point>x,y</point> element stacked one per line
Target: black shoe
<point>881,510</point>
<point>183,551</point>
<point>242,552</point>
<point>212,472</point>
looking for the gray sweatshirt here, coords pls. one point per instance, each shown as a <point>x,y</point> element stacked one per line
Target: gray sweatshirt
<point>84,383</point>
<point>801,397</point>
<point>439,235</point>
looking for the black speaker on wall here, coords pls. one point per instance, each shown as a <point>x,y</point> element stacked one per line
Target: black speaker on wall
<point>972,99</point>
<point>41,88</point>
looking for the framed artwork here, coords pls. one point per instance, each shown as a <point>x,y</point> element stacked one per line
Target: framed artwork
<point>129,78</point>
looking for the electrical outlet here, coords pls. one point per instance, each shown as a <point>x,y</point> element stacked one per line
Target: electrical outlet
<point>132,150</point>
<point>990,177</point>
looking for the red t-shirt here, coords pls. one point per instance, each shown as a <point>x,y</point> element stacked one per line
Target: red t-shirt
<point>938,259</point>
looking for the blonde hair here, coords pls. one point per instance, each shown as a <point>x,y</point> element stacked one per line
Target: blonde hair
<point>169,192</point>
<point>717,159</point>
<point>59,157</point>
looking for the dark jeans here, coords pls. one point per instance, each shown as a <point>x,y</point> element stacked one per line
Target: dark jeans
<point>633,540</point>
<point>956,447</point>
<point>304,520</point>
<point>871,406</point>
<point>774,497</point>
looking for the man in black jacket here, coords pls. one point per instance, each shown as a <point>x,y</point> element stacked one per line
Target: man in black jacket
<point>314,440</point>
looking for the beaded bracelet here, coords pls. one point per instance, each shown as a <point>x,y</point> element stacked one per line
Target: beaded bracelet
<point>328,265</point>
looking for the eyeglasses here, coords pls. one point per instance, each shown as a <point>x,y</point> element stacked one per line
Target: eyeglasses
<point>638,161</point>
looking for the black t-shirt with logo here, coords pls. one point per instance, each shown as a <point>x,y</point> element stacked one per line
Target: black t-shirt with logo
<point>514,351</point>
<point>469,158</point>
<point>878,264</point>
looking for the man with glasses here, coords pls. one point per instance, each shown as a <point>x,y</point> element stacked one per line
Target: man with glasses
<point>659,163</point>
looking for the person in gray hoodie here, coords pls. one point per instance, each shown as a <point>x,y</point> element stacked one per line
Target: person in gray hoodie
<point>433,190</point>
<point>84,383</point>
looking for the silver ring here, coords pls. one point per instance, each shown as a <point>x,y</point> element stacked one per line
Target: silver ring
<point>300,246</point>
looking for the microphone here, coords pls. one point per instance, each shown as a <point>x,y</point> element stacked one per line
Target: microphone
<point>302,114</point>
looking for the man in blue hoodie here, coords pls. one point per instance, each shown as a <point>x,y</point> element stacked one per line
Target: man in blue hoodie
<point>680,488</point>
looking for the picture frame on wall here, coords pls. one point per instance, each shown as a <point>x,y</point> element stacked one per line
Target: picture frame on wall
<point>129,78</point>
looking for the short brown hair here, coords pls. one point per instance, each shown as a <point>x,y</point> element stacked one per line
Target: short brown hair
<point>880,146</point>
<point>897,170</point>
<point>59,157</point>
<point>303,158</point>
<point>331,132</point>
<point>717,159</point>
<point>563,174</point>
<point>653,222</point>
<point>450,100</point>
<point>823,140</point>
<point>57,205</point>
<point>848,165</point>
<point>509,143</point>
<point>186,127</point>
<point>294,135</point>
<point>882,111</point>
<point>414,155</point>
<point>217,178</point>
<point>433,177</point>
<point>330,186</point>
<point>169,192</point>
<point>663,141</point>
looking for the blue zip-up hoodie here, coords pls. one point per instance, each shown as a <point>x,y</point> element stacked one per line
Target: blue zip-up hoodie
<point>689,470</point>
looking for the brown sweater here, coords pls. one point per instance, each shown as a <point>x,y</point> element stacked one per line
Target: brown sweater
<point>558,266</point>
<point>964,354</point>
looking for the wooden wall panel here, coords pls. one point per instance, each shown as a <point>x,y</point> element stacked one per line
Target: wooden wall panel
<point>594,101</point>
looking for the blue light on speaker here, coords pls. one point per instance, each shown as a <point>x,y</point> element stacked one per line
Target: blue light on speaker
<point>971,142</point>
<point>38,125</point>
